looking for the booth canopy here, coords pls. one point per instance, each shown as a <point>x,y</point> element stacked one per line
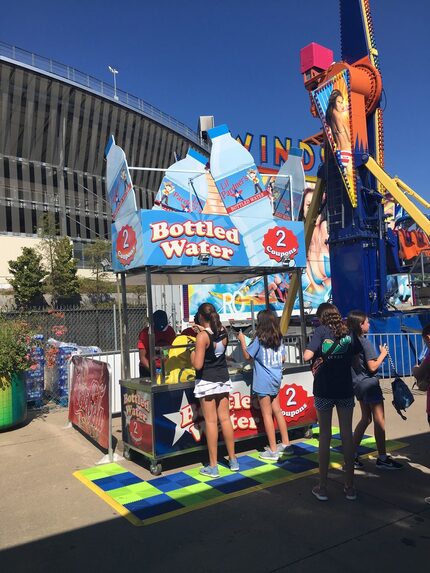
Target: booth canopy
<point>199,275</point>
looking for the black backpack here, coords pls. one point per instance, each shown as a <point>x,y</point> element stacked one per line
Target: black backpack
<point>402,396</point>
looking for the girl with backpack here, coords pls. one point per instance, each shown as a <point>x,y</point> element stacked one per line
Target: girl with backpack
<point>422,374</point>
<point>268,352</point>
<point>333,348</point>
<point>368,391</point>
<point>213,386</point>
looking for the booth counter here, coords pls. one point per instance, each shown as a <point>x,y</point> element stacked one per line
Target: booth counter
<point>197,243</point>
<point>160,421</point>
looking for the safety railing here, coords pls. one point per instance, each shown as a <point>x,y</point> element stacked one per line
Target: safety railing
<point>113,359</point>
<point>292,343</point>
<point>405,349</point>
<point>72,75</point>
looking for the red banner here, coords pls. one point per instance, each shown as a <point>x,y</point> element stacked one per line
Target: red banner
<point>89,398</point>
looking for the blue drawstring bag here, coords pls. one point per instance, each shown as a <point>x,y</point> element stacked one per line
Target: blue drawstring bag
<point>402,396</point>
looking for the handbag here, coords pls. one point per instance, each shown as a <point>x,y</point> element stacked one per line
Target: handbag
<point>422,376</point>
<point>402,396</point>
<point>422,382</point>
<point>318,362</point>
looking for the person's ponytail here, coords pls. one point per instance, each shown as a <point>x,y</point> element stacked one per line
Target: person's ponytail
<point>332,318</point>
<point>208,312</point>
<point>215,323</point>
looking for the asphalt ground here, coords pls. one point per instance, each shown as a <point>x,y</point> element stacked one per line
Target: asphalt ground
<point>49,521</point>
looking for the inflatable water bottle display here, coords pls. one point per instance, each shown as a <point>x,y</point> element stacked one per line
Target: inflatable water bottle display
<point>184,187</point>
<point>241,189</point>
<point>118,181</point>
<point>235,174</point>
<point>288,187</point>
<point>127,245</point>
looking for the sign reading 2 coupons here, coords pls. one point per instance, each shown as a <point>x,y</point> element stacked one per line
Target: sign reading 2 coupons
<point>193,239</point>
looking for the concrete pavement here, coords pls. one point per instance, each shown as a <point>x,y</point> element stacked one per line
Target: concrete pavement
<point>49,521</point>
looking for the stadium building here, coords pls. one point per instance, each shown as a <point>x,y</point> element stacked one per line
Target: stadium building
<point>55,122</point>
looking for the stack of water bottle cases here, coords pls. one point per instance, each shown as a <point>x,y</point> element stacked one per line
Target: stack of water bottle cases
<point>35,376</point>
<point>49,382</point>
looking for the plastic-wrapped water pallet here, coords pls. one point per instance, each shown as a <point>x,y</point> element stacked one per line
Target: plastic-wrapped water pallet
<point>35,377</point>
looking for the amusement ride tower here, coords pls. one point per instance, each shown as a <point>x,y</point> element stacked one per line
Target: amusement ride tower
<point>346,97</point>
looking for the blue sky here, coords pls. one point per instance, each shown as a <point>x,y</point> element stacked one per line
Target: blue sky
<point>236,60</point>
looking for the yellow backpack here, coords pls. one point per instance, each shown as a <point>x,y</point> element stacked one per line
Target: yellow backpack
<point>178,364</point>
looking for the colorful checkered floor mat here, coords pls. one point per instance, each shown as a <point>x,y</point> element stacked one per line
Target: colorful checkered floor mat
<point>145,502</point>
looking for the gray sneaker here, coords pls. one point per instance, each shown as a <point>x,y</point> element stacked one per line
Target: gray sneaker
<point>234,465</point>
<point>284,450</point>
<point>210,471</point>
<point>268,455</point>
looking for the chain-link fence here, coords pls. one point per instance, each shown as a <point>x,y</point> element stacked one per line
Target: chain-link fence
<point>84,327</point>
<point>62,332</point>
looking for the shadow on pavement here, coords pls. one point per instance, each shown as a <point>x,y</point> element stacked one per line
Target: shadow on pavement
<point>282,528</point>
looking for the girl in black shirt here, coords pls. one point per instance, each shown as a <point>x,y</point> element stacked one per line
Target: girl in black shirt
<point>333,387</point>
<point>213,386</point>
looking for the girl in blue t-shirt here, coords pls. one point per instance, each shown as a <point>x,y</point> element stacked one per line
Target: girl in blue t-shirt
<point>368,391</point>
<point>268,352</point>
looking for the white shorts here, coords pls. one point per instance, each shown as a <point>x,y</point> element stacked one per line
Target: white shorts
<point>205,388</point>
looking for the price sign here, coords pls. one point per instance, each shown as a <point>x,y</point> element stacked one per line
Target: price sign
<point>281,244</point>
<point>126,244</point>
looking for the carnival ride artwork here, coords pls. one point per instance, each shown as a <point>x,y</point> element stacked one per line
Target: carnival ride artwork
<point>346,97</point>
<point>245,236</point>
<point>353,247</point>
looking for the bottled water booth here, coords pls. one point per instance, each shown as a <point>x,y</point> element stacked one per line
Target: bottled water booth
<point>161,417</point>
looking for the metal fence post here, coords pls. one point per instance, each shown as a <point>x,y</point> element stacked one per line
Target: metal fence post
<point>126,347</point>
<point>111,456</point>
<point>114,327</point>
<point>302,313</point>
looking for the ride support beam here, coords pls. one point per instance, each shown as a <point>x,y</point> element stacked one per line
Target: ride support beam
<point>310,221</point>
<point>392,187</point>
<point>411,192</point>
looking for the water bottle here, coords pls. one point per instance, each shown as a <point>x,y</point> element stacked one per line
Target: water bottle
<point>241,189</point>
<point>119,185</point>
<point>289,186</point>
<point>184,187</point>
<point>236,175</point>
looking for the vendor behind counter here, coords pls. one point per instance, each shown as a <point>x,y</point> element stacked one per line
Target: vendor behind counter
<point>164,336</point>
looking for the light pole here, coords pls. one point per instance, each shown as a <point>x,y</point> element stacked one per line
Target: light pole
<point>114,73</point>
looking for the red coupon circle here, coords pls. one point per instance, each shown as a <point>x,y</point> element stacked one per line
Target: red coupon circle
<point>126,245</point>
<point>294,401</point>
<point>280,244</point>
<point>136,432</point>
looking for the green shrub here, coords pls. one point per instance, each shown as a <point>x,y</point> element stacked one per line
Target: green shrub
<point>15,340</point>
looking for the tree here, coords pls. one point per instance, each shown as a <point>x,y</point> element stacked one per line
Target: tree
<point>48,235</point>
<point>27,281</point>
<point>64,276</point>
<point>98,255</point>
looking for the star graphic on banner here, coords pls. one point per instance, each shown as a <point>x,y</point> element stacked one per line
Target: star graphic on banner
<point>176,418</point>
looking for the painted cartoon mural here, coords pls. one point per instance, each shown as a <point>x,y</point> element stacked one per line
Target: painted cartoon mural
<point>332,101</point>
<point>237,300</point>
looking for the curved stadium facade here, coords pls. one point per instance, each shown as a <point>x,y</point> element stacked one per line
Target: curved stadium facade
<point>55,122</point>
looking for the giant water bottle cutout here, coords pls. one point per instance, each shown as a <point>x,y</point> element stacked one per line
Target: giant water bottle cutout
<point>288,187</point>
<point>184,187</point>
<point>241,189</point>
<point>127,241</point>
<point>214,204</point>
<point>118,181</point>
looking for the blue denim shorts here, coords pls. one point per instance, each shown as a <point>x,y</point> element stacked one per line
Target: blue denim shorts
<point>261,395</point>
